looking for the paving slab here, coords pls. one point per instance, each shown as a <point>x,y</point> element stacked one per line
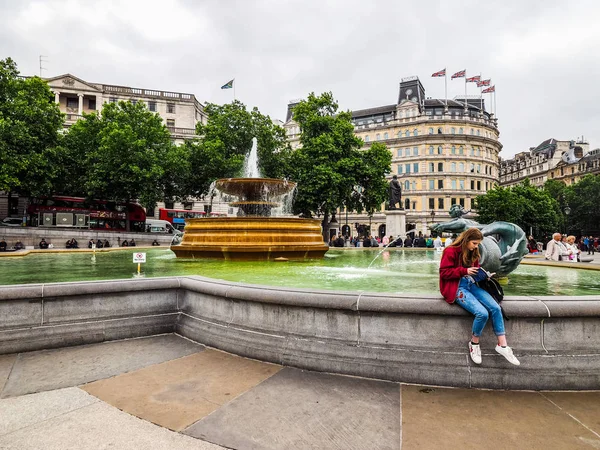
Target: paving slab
<point>178,393</point>
<point>21,412</point>
<point>98,426</point>
<point>65,367</point>
<point>434,418</point>
<point>6,365</point>
<point>296,409</point>
<point>584,406</point>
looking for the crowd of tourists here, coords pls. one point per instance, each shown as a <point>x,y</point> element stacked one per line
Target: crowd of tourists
<point>419,241</point>
<point>569,248</point>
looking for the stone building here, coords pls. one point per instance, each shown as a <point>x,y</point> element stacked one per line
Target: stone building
<point>443,154</point>
<point>552,159</point>
<point>180,111</point>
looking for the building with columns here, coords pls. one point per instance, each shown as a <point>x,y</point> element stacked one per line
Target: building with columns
<point>443,153</point>
<point>552,159</point>
<point>180,111</point>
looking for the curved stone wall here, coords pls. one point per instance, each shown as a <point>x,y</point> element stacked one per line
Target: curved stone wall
<point>394,337</point>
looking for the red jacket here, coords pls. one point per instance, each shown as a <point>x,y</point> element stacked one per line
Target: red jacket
<point>451,271</point>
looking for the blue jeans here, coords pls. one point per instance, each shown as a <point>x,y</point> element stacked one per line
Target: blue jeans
<point>481,304</point>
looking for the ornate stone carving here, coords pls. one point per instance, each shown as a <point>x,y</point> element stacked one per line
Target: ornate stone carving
<point>68,81</point>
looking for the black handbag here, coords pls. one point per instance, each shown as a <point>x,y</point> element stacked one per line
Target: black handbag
<point>492,287</point>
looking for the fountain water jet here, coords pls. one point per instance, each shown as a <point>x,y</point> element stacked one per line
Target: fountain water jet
<point>254,234</point>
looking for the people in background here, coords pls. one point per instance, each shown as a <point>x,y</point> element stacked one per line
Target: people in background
<point>72,243</point>
<point>573,251</point>
<point>106,243</point>
<point>155,243</point>
<point>132,243</point>
<point>19,245</point>
<point>43,244</point>
<point>99,243</point>
<point>555,249</point>
<point>91,243</point>
<point>3,245</point>
<point>125,243</point>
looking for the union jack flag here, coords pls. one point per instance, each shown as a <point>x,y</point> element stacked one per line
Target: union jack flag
<point>460,74</point>
<point>475,79</point>
<point>484,83</point>
<point>488,90</point>
<point>441,73</point>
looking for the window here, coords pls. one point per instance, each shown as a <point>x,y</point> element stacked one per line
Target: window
<point>478,168</point>
<point>452,130</point>
<point>472,185</point>
<point>407,168</point>
<point>399,152</point>
<point>92,103</point>
<point>440,184</point>
<point>385,135</point>
<point>431,203</point>
<point>462,202</point>
<point>454,150</point>
<point>431,185</point>
<point>367,138</point>
<point>440,203</point>
<point>460,131</point>
<point>478,133</point>
<point>453,187</point>
<point>472,131</point>
<point>416,167</point>
<point>452,201</point>
<point>171,108</point>
<point>407,133</point>
<point>440,131</point>
<point>460,150</point>
<point>431,131</point>
<point>406,185</point>
<point>407,203</point>
<point>72,103</point>
<point>440,167</point>
<point>453,167</point>
<point>472,152</point>
<point>478,185</point>
<point>152,106</point>
<point>399,169</point>
<point>461,185</point>
<point>431,149</point>
<point>431,166</point>
<point>170,122</point>
<point>112,100</point>
<point>133,101</point>
<point>414,185</point>
<point>415,151</point>
<point>415,132</point>
<point>472,168</point>
<point>440,150</point>
<point>461,167</point>
<point>377,137</point>
<point>399,134</point>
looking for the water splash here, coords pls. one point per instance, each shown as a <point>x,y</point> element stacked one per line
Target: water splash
<point>382,250</point>
<point>251,169</point>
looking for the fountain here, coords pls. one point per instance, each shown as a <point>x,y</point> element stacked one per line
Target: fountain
<point>255,234</point>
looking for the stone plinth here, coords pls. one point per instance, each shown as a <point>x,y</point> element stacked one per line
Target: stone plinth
<point>395,223</point>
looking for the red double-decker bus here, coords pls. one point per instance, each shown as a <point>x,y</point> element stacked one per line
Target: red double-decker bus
<point>177,216</point>
<point>78,212</point>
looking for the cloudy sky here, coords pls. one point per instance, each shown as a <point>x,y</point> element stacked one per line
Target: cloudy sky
<point>541,55</point>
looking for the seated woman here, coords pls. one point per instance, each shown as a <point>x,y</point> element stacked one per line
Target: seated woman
<point>532,245</point>
<point>3,245</point>
<point>99,243</point>
<point>106,243</point>
<point>91,243</point>
<point>155,243</point>
<point>19,245</point>
<point>132,243</point>
<point>125,243</point>
<point>43,244</point>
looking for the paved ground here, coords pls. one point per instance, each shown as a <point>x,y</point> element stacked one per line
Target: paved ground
<point>165,392</point>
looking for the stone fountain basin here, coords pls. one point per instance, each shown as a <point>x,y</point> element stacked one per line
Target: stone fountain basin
<point>409,338</point>
<point>254,188</point>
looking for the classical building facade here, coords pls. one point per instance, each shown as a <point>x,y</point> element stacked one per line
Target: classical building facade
<point>552,159</point>
<point>180,111</point>
<point>443,153</point>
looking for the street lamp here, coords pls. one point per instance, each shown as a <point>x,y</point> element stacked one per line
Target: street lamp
<point>567,211</point>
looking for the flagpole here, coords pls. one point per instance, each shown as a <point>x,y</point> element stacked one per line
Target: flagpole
<point>446,87</point>
<point>494,101</point>
<point>480,93</point>
<point>233,89</point>
<point>466,107</point>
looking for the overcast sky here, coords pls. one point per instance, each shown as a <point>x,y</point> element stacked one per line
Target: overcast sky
<point>541,55</point>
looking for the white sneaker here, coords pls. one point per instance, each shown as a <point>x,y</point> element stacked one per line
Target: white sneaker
<point>508,354</point>
<point>475,352</point>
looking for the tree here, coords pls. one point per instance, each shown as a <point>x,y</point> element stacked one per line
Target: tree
<point>29,132</point>
<point>583,198</point>
<point>524,204</point>
<point>227,137</point>
<point>126,154</point>
<point>329,167</point>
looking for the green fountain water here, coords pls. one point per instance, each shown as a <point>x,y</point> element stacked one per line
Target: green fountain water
<point>396,271</point>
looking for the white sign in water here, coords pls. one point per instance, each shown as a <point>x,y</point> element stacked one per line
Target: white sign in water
<point>139,257</point>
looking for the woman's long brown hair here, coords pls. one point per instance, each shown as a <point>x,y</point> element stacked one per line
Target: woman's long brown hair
<point>467,256</point>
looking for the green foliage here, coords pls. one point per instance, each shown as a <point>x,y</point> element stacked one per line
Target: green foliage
<point>524,205</point>
<point>329,167</point>
<point>583,199</point>
<point>123,154</point>
<point>226,138</point>
<point>29,132</point>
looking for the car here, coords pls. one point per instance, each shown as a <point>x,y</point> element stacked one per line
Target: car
<point>11,222</point>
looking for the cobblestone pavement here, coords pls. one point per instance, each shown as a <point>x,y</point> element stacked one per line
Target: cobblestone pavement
<point>166,392</point>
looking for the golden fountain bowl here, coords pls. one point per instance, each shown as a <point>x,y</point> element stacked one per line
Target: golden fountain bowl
<point>254,188</point>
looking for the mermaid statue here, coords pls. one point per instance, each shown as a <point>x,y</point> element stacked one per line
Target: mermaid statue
<point>504,244</point>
